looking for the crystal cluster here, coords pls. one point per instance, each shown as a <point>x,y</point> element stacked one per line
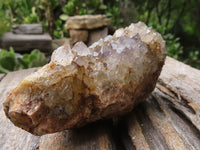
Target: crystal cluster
<point>83,84</point>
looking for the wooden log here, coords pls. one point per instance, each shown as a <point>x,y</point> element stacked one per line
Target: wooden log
<point>27,29</point>
<point>170,117</point>
<point>27,42</point>
<point>12,137</point>
<point>94,136</point>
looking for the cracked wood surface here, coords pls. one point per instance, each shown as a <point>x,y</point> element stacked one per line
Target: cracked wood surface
<point>168,119</point>
<point>94,136</point>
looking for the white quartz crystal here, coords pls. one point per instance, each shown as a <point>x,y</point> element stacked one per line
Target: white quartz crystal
<point>83,84</point>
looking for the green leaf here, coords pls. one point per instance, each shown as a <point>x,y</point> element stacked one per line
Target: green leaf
<point>34,59</point>
<point>64,17</point>
<point>103,7</point>
<point>8,62</point>
<point>91,11</point>
<point>21,64</point>
<point>108,14</point>
<point>83,11</point>
<point>84,5</point>
<point>3,70</point>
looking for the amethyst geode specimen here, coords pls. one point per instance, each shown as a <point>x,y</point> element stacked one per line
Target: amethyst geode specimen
<point>83,84</point>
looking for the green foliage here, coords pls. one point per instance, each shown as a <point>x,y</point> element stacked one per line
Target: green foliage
<point>78,7</point>
<point>177,21</point>
<point>178,24</point>
<point>20,10</point>
<point>32,18</point>
<point>7,61</point>
<point>4,20</point>
<point>59,30</point>
<point>70,7</point>
<point>16,12</point>
<point>11,61</point>
<point>27,11</point>
<point>34,59</point>
<point>114,13</point>
<point>49,12</point>
<point>92,7</point>
<point>193,58</point>
<point>174,48</point>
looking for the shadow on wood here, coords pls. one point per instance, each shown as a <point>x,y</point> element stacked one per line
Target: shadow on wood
<point>168,119</point>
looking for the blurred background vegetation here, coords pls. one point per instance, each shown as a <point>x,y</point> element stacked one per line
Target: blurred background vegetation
<point>178,21</point>
<point>11,61</point>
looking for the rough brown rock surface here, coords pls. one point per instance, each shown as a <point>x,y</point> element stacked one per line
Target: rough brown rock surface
<point>78,35</point>
<point>82,84</point>
<point>87,22</point>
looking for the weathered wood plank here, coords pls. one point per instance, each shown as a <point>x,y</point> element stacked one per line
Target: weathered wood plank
<point>182,83</point>
<point>94,136</point>
<point>170,117</point>
<point>91,137</point>
<point>11,136</point>
<point>25,42</point>
<point>181,79</point>
<point>27,29</point>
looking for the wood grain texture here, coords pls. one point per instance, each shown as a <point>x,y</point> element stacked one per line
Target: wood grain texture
<point>182,84</point>
<point>11,136</point>
<point>170,117</point>
<point>27,42</point>
<point>94,136</point>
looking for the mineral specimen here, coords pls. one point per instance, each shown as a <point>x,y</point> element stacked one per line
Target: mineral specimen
<point>84,84</point>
